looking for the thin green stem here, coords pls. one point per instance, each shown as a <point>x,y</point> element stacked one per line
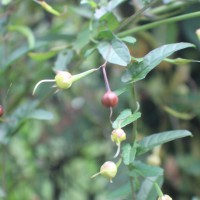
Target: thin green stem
<point>135,104</point>
<point>132,187</point>
<point>158,23</point>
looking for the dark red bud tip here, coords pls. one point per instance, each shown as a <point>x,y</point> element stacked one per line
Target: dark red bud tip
<point>1,110</point>
<point>109,99</point>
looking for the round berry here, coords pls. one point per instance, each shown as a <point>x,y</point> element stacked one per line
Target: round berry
<point>1,110</point>
<point>108,170</point>
<point>63,79</point>
<point>109,99</point>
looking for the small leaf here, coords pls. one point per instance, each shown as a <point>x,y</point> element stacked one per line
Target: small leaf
<point>147,190</point>
<point>126,117</point>
<point>177,114</point>
<point>151,141</point>
<point>128,154</point>
<point>115,52</point>
<point>129,39</point>
<point>145,170</point>
<point>40,114</point>
<point>154,58</point>
<point>179,61</point>
<point>26,31</point>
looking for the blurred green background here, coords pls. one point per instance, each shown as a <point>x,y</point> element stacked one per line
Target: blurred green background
<point>52,143</point>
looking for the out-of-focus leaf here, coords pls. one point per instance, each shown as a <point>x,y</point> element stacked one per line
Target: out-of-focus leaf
<point>179,61</point>
<point>153,59</point>
<point>42,55</point>
<point>147,190</point>
<point>5,2</point>
<point>108,8</point>
<point>189,164</point>
<point>128,154</point>
<point>126,117</point>
<point>18,53</point>
<point>145,170</point>
<point>157,139</point>
<point>41,115</point>
<point>121,192</point>
<point>26,31</point>
<point>93,4</point>
<point>180,115</point>
<point>115,52</point>
<point>63,59</point>
<point>129,39</point>
<point>48,8</point>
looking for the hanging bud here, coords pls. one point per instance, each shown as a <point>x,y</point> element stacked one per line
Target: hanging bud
<point>154,160</point>
<point>165,197</point>
<point>198,33</point>
<point>118,135</point>
<point>64,79</point>
<point>108,170</point>
<point>109,99</point>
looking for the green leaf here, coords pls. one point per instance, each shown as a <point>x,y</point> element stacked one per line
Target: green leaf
<point>179,61</point>
<point>180,115</point>
<point>63,59</point>
<point>129,39</point>
<point>115,52</point>
<point>154,58</point>
<point>109,22</point>
<point>128,154</point>
<point>40,114</point>
<point>26,31</point>
<point>145,170</point>
<point>121,192</point>
<point>147,190</point>
<point>151,141</point>
<point>126,117</point>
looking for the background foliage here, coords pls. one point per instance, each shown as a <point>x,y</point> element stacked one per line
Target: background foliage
<point>55,158</point>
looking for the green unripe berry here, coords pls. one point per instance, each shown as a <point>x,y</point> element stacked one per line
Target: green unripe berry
<point>108,170</point>
<point>118,135</point>
<point>63,79</point>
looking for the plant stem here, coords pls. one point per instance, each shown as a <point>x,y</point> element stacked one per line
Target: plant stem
<point>134,95</point>
<point>137,14</point>
<point>155,24</point>
<point>105,78</point>
<point>132,187</point>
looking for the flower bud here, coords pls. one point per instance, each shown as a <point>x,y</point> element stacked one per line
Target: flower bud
<point>108,170</point>
<point>154,160</point>
<point>63,79</point>
<point>165,197</point>
<point>109,99</point>
<point>118,135</point>
<point>1,110</point>
<point>198,33</point>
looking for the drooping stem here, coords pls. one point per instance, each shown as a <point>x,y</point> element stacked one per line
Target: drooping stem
<point>42,81</point>
<point>158,23</point>
<point>105,78</point>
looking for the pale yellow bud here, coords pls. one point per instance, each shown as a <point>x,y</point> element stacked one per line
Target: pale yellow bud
<point>154,160</point>
<point>165,197</point>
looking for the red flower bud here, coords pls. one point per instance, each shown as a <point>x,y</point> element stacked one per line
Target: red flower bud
<point>109,99</point>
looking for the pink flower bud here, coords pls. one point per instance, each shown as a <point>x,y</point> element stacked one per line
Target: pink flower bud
<point>118,135</point>
<point>108,170</point>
